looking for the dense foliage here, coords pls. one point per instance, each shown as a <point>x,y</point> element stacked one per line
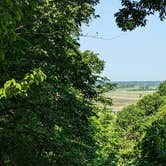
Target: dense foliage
<point>153,145</point>
<point>47,84</point>
<point>141,129</point>
<point>134,13</point>
<point>162,89</point>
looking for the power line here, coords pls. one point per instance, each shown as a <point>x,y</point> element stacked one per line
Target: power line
<point>100,38</point>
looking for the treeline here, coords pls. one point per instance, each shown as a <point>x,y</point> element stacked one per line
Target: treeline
<point>139,85</point>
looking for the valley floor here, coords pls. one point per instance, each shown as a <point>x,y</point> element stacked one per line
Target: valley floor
<point>126,96</point>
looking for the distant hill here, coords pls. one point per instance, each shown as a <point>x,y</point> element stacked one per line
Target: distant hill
<point>138,85</point>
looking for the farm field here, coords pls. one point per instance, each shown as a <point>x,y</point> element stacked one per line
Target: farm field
<point>123,97</point>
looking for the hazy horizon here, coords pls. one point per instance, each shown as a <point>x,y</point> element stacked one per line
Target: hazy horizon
<point>137,80</point>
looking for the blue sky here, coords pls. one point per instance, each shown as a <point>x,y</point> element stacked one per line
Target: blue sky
<point>137,55</point>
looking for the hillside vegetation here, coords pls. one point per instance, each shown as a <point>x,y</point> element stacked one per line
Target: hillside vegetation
<point>141,130</point>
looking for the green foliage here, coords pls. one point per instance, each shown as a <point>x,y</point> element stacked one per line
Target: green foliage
<point>47,85</point>
<point>150,103</point>
<point>130,119</point>
<point>12,88</point>
<point>153,145</point>
<point>144,145</point>
<point>95,64</point>
<point>129,125</point>
<point>141,129</point>
<point>104,85</point>
<point>162,89</point>
<point>134,13</point>
<point>102,100</point>
<point>106,139</point>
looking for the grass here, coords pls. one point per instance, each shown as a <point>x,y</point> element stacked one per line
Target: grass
<point>124,97</point>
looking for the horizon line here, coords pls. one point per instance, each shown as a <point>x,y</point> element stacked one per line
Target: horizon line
<point>137,80</point>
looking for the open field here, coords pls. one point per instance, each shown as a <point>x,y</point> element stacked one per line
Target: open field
<point>126,96</point>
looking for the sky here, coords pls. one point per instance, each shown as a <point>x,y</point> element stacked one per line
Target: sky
<point>139,55</point>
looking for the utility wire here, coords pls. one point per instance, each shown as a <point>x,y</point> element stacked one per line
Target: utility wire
<point>100,38</point>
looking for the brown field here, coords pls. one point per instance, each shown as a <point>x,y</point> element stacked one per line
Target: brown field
<point>124,97</point>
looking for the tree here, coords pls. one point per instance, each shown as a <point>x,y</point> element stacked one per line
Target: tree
<point>162,89</point>
<point>150,103</point>
<point>130,126</point>
<point>153,145</point>
<point>141,131</point>
<point>134,13</point>
<point>106,138</point>
<point>47,84</point>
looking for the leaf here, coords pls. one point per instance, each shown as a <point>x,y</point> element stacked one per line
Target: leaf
<point>2,56</point>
